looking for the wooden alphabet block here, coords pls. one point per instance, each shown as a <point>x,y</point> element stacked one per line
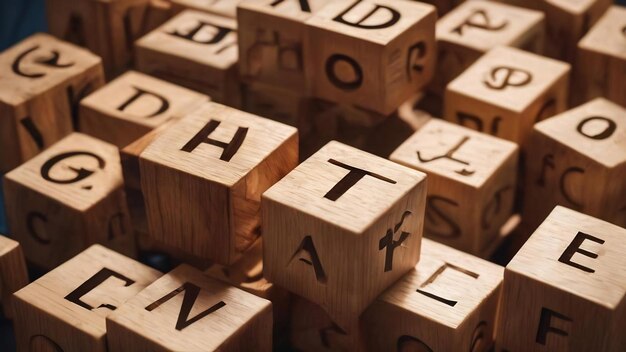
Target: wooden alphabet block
<point>448,303</point>
<point>271,41</point>
<point>506,91</point>
<point>226,8</point>
<point>65,309</point>
<point>203,177</point>
<point>186,311</point>
<point>475,27</point>
<point>471,183</point>
<point>66,198</point>
<point>132,105</point>
<point>371,53</point>
<point>565,290</point>
<point>157,13</point>
<point>315,244</point>
<point>601,60</point>
<point>578,159</point>
<point>41,83</point>
<point>195,50</point>
<point>107,28</point>
<point>13,274</point>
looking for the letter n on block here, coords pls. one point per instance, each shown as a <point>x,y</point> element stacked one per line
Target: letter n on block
<point>203,178</point>
<point>342,227</point>
<point>565,290</point>
<point>186,311</point>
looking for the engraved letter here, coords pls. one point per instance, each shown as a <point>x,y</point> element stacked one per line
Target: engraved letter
<point>304,5</point>
<point>479,19</point>
<point>574,247</point>
<point>544,325</point>
<point>92,283</point>
<point>218,36</point>
<point>450,155</point>
<point>416,52</point>
<point>34,132</point>
<point>81,173</point>
<point>312,258</point>
<point>408,343</point>
<point>610,128</point>
<point>52,61</point>
<point>354,176</point>
<point>331,64</point>
<point>434,277</point>
<point>141,92</point>
<point>31,219</point>
<point>434,214</point>
<point>202,136</point>
<point>388,242</point>
<point>395,17</point>
<point>512,77</point>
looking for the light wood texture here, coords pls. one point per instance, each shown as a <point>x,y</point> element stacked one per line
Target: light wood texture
<point>374,54</point>
<point>132,105</point>
<point>107,28</point>
<point>227,8</point>
<point>13,274</point>
<point>41,81</point>
<point>202,179</point>
<point>187,311</point>
<point>472,179</point>
<point>448,303</point>
<point>601,61</point>
<point>578,159</point>
<point>506,91</point>
<point>341,227</point>
<point>565,289</point>
<point>271,41</point>
<point>474,27</point>
<point>65,309</point>
<point>66,198</point>
<point>194,50</point>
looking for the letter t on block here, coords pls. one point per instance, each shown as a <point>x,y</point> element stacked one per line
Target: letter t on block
<point>566,288</point>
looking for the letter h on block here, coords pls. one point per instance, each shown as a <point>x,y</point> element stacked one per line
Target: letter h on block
<point>565,289</point>
<point>203,177</point>
<point>342,227</point>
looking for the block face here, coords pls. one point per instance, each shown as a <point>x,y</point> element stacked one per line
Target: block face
<point>13,274</point>
<point>475,27</point>
<point>206,174</point>
<point>66,198</point>
<point>132,105</point>
<point>309,220</point>
<point>374,54</point>
<point>602,58</point>
<point>187,311</point>
<point>67,307</point>
<point>565,288</point>
<point>195,50</point>
<point>579,160</point>
<point>271,40</point>
<point>506,91</point>
<point>471,187</point>
<point>447,303</point>
<point>41,83</point>
<point>226,8</point>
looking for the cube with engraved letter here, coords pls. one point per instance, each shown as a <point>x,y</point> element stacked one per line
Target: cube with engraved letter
<point>66,198</point>
<point>579,161</point>
<point>195,50</point>
<point>506,91</point>
<point>342,227</point>
<point>601,61</point>
<point>371,53</point>
<point>13,274</point>
<point>132,105</point>
<point>471,183</point>
<point>65,309</point>
<point>475,27</point>
<point>448,303</point>
<point>271,40</point>
<point>186,311</point>
<point>565,290</point>
<point>203,177</point>
<point>42,80</point>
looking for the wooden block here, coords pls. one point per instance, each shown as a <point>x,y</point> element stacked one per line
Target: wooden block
<point>276,103</point>
<point>471,183</point>
<point>66,198</point>
<point>448,303</point>
<point>202,179</point>
<point>506,91</point>
<point>565,289</point>
<point>342,227</point>
<point>107,28</point>
<point>271,41</point>
<point>601,61</point>
<point>65,309</point>
<point>475,27</point>
<point>13,274</point>
<point>132,105</point>
<point>157,13</point>
<point>41,83</point>
<point>195,50</point>
<point>226,8</point>
<point>187,311</point>
<point>371,53</point>
<point>578,159</point>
